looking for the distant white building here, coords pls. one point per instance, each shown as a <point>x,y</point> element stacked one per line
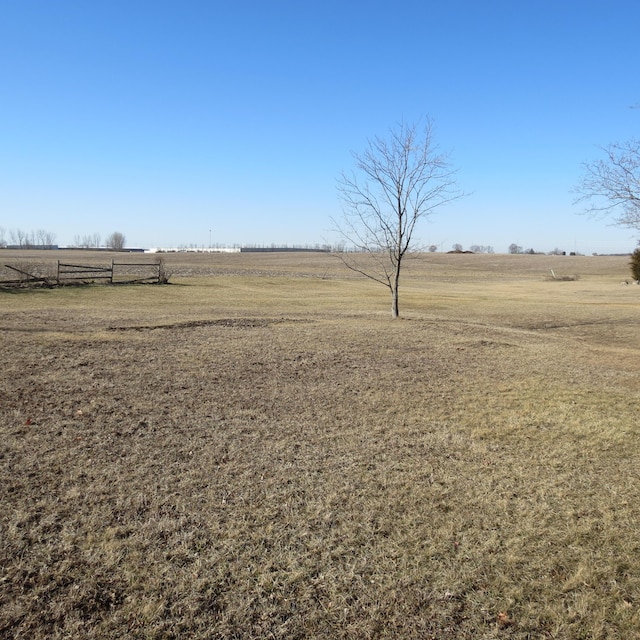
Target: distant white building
<point>193,250</point>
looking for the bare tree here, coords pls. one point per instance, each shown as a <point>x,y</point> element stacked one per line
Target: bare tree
<point>116,241</point>
<point>18,238</point>
<point>3,242</point>
<point>396,182</point>
<point>45,239</point>
<point>514,248</point>
<point>612,184</point>
<point>30,240</point>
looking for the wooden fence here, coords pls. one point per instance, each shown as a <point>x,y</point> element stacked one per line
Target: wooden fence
<point>79,274</point>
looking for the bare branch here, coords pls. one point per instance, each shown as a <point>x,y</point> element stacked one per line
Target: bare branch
<point>612,185</point>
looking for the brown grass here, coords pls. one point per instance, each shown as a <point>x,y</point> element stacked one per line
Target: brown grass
<point>259,451</point>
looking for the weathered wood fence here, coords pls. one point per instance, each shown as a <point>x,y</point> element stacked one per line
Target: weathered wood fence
<point>117,272</point>
<point>79,274</point>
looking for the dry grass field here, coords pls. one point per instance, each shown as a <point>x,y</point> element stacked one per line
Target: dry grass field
<point>258,451</point>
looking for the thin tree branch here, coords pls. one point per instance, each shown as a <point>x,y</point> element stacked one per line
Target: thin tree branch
<point>612,184</point>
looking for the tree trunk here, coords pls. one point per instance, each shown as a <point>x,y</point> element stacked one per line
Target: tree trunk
<point>395,310</point>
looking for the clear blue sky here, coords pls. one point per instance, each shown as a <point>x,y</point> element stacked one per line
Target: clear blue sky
<point>165,120</point>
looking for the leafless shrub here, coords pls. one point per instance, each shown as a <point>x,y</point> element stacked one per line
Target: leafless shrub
<point>163,272</point>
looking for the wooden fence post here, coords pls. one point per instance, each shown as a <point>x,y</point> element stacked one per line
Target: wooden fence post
<point>111,272</point>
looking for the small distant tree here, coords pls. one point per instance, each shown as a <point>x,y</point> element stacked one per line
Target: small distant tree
<point>116,241</point>
<point>433,248</point>
<point>30,241</point>
<point>456,247</point>
<point>514,248</point>
<point>45,238</point>
<point>397,182</point>
<point>18,237</point>
<point>3,242</point>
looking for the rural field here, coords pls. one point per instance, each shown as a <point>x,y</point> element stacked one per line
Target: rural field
<point>257,450</point>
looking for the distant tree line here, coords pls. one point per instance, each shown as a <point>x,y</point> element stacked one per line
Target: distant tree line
<point>480,248</point>
<point>474,248</point>
<point>41,239</point>
<point>114,241</point>
<point>326,248</point>
<point>515,248</point>
<point>38,239</point>
<point>91,241</point>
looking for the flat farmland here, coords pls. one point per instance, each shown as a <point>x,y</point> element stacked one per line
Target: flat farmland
<point>257,450</point>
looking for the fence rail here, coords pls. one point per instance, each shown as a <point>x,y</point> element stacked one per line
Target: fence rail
<point>82,272</point>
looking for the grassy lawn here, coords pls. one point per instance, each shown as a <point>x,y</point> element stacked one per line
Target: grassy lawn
<point>258,451</point>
